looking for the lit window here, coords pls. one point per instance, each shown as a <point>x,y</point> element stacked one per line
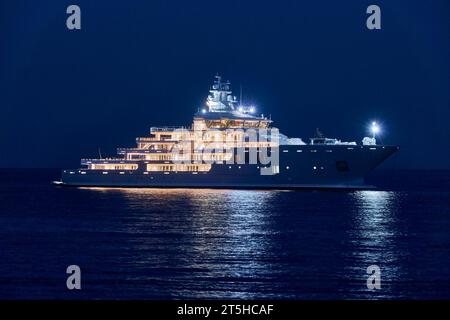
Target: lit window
<point>104,172</point>
<point>315,168</point>
<point>287,168</point>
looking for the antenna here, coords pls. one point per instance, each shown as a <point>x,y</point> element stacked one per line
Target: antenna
<point>99,153</point>
<point>319,134</point>
<point>240,98</point>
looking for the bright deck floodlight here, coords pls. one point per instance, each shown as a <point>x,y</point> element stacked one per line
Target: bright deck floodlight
<point>375,128</point>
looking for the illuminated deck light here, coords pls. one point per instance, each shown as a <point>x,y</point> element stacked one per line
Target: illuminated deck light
<point>375,129</point>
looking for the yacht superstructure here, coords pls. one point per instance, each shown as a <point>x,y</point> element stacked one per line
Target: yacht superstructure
<point>229,146</point>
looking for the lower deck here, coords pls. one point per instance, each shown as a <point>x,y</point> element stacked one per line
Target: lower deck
<point>298,167</point>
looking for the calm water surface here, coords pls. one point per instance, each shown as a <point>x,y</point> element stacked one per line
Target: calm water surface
<point>206,244</point>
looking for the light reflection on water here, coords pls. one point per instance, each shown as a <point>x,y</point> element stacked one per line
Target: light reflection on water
<point>374,236</point>
<point>208,243</point>
<point>186,243</point>
<point>223,235</point>
<point>234,238</point>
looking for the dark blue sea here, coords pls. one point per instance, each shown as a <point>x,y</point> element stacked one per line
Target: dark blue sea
<point>225,244</point>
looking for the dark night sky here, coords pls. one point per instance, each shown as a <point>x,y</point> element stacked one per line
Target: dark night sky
<point>137,64</point>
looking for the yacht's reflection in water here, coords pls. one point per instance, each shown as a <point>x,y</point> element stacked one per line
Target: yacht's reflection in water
<point>235,240</point>
<point>208,243</point>
<point>186,240</point>
<point>374,238</point>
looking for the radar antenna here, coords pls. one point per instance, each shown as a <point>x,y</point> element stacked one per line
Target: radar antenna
<point>240,97</point>
<point>319,134</point>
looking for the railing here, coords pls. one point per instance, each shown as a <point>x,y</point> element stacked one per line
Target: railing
<point>146,139</point>
<point>104,159</point>
<point>129,149</point>
<point>167,129</point>
<point>153,139</point>
<point>137,150</point>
